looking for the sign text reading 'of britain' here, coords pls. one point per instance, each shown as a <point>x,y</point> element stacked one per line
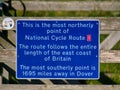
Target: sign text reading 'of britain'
<point>57,49</point>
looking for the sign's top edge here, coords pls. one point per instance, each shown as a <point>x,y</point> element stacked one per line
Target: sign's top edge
<point>58,19</point>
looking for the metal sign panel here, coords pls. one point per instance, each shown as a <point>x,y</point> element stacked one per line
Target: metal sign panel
<point>58,49</point>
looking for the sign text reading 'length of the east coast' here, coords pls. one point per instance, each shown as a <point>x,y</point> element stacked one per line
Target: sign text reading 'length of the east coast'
<point>57,49</point>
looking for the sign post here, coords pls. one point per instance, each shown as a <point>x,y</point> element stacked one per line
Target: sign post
<point>58,49</point>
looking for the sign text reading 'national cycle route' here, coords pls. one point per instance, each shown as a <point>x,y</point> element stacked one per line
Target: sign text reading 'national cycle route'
<point>57,49</point>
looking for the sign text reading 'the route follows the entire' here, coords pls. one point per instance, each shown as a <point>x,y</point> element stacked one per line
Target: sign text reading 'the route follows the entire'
<point>58,49</point>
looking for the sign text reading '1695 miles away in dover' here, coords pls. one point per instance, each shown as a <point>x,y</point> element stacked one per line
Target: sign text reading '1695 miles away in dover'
<point>57,49</point>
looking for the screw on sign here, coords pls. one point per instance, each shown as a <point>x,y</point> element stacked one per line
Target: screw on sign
<point>89,38</point>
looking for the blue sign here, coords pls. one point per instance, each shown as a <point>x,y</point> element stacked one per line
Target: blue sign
<point>58,49</point>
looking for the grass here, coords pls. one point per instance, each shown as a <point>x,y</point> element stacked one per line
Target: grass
<point>110,68</point>
<point>68,13</point>
<point>117,46</point>
<point>110,74</point>
<point>13,80</point>
<point>102,37</point>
